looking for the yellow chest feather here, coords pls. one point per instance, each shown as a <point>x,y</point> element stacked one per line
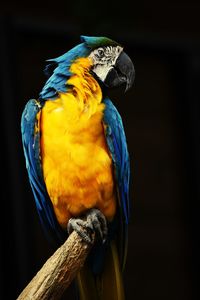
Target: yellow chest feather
<point>76,164</point>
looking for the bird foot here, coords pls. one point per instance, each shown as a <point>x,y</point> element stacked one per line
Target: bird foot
<point>93,222</point>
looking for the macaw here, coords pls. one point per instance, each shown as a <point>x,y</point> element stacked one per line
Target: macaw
<point>77,159</point>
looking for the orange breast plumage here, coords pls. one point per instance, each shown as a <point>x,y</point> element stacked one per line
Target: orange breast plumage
<point>76,163</point>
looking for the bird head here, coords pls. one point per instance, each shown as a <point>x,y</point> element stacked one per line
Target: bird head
<point>110,65</point>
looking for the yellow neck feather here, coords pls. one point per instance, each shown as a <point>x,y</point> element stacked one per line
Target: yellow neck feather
<point>84,87</point>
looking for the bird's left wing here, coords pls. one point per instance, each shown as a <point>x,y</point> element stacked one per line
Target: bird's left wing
<point>31,145</point>
<point>117,145</point>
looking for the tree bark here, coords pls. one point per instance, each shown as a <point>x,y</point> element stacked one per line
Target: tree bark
<point>58,271</point>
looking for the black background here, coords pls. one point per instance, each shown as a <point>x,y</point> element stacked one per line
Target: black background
<point>161,116</point>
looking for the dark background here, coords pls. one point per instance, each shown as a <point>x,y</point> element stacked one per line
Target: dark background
<point>161,116</point>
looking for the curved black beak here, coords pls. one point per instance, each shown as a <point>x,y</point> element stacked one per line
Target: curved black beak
<point>122,72</point>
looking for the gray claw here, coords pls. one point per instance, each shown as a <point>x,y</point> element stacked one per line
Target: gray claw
<point>95,222</point>
<point>79,225</point>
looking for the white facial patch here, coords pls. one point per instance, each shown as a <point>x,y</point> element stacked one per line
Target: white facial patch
<point>104,58</point>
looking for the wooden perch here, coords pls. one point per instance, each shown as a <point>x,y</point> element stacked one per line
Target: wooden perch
<point>58,271</point>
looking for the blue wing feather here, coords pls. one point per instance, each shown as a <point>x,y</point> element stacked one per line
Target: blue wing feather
<point>31,145</point>
<point>116,141</point>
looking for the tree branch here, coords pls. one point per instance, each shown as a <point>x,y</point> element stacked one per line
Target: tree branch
<point>58,271</point>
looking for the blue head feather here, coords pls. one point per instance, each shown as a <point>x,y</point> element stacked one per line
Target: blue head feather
<point>57,82</point>
<point>95,42</point>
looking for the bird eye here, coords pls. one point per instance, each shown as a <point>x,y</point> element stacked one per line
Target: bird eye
<point>100,53</point>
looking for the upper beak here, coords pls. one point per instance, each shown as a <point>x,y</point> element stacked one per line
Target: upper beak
<point>122,72</point>
<point>125,70</point>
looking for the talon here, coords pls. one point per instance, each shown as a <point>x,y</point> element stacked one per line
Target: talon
<point>95,222</point>
<point>80,227</point>
<point>74,224</point>
<point>98,222</point>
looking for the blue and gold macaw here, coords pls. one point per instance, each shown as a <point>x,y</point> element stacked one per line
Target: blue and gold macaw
<point>77,158</point>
